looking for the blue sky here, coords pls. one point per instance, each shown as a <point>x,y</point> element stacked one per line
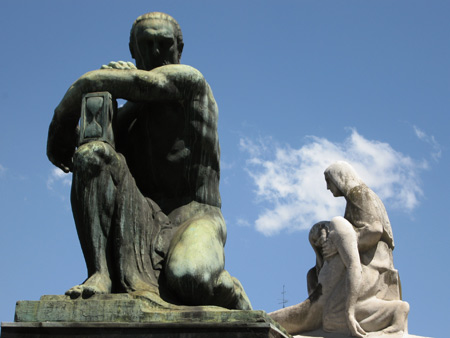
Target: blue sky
<point>299,85</point>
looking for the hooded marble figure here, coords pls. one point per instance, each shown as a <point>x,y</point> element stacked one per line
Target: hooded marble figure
<point>354,287</point>
<point>145,192</point>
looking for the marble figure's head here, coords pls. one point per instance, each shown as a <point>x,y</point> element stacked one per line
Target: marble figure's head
<point>341,178</point>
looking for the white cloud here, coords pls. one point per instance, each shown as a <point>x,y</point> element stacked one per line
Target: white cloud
<point>291,182</point>
<point>2,170</point>
<point>242,222</point>
<point>57,176</point>
<point>225,165</point>
<point>437,151</point>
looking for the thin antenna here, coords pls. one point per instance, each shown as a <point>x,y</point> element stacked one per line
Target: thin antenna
<point>284,300</point>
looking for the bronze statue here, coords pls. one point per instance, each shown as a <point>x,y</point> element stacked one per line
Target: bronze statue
<point>147,204</point>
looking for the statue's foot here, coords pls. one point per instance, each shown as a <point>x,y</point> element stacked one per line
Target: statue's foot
<point>400,318</point>
<point>144,288</point>
<point>96,284</point>
<point>391,332</point>
<point>230,294</point>
<point>243,303</point>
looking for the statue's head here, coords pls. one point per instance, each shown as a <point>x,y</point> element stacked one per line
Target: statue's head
<point>155,40</point>
<point>317,236</point>
<point>341,178</point>
<point>319,233</point>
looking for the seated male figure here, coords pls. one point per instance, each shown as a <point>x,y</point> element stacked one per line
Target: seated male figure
<point>148,210</point>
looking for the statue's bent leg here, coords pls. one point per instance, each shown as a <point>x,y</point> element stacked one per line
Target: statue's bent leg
<point>388,316</point>
<point>302,317</point>
<point>195,265</point>
<point>114,223</point>
<point>137,224</point>
<point>93,194</point>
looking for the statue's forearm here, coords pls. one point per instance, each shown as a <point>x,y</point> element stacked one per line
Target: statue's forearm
<point>353,286</point>
<point>171,82</point>
<point>344,237</point>
<point>369,235</point>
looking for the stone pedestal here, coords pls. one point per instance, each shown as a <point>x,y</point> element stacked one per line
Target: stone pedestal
<point>137,316</point>
<point>323,334</point>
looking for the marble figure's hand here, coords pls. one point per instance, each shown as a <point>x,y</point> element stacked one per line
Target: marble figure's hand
<point>119,65</point>
<point>328,249</point>
<point>354,327</point>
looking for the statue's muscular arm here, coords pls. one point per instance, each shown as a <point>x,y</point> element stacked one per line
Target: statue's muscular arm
<point>171,82</point>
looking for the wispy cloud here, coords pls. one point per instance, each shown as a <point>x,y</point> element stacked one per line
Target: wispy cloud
<point>437,151</point>
<point>2,170</point>
<point>242,222</point>
<point>57,176</point>
<point>225,165</point>
<point>291,184</point>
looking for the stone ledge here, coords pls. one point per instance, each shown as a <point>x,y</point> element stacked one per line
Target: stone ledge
<point>141,330</point>
<point>134,315</point>
<point>127,308</point>
<point>323,334</point>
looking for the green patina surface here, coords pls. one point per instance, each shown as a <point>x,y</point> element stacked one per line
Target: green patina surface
<point>129,308</point>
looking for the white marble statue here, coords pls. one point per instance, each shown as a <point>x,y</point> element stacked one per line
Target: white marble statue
<point>354,287</point>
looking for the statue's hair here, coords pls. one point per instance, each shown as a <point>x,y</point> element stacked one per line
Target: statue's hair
<point>158,16</point>
<point>343,176</point>
<point>314,234</point>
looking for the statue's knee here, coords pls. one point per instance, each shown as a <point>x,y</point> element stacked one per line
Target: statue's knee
<point>340,225</point>
<point>93,156</point>
<point>189,273</point>
<point>403,308</point>
<point>190,282</point>
<point>338,220</point>
<point>196,259</point>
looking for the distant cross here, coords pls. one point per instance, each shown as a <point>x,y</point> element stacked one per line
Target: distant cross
<point>283,300</point>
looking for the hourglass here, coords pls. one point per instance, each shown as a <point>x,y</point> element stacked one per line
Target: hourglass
<point>97,113</point>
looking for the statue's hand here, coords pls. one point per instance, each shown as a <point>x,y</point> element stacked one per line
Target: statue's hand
<point>328,249</point>
<point>119,65</point>
<point>61,146</point>
<point>354,327</point>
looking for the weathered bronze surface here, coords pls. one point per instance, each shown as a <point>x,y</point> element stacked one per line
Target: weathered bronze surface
<point>145,197</point>
<point>125,315</point>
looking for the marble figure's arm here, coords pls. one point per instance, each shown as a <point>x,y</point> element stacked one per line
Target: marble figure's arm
<point>344,237</point>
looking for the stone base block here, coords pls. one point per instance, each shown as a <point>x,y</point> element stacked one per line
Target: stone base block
<point>137,316</point>
<point>323,334</point>
<point>140,330</point>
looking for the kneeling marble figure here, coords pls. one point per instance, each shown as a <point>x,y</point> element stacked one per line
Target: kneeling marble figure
<point>354,287</point>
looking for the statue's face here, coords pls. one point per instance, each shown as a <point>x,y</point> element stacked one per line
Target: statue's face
<point>156,44</point>
<point>333,188</point>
